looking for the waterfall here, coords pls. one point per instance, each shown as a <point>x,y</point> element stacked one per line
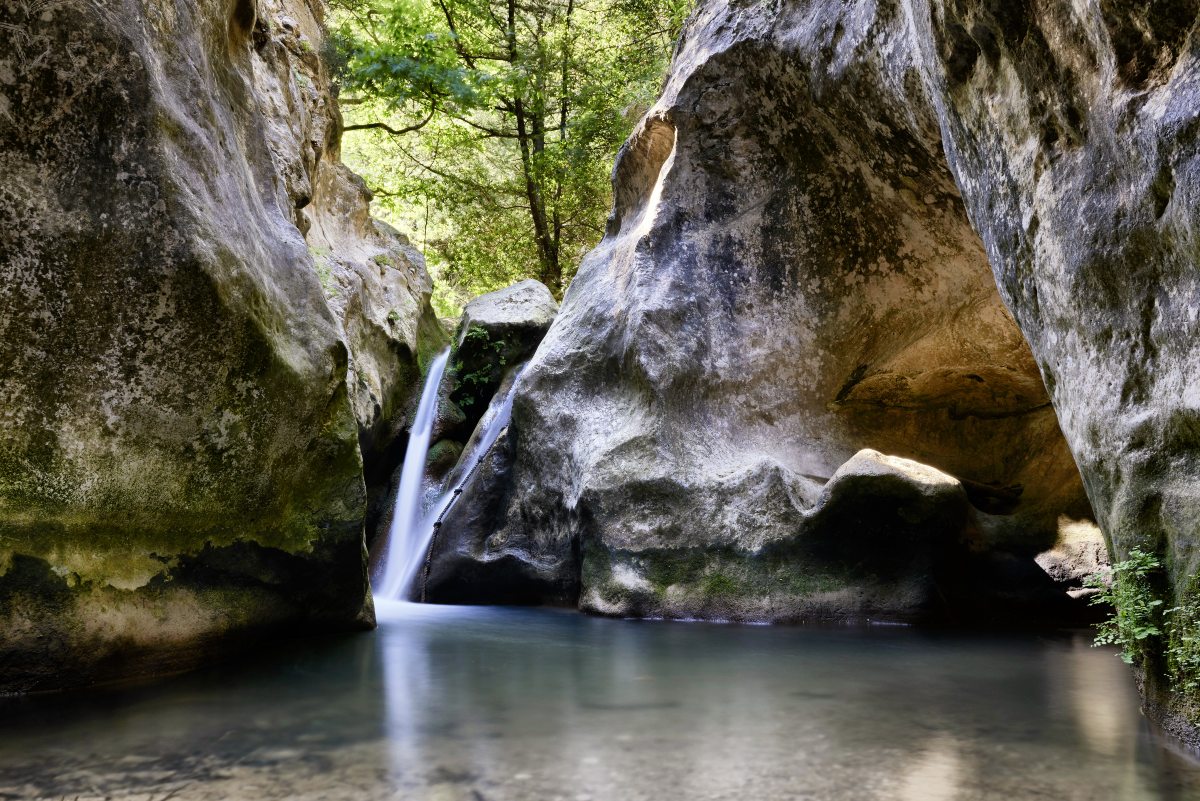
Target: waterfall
<point>405,541</point>
<point>494,421</point>
<point>410,533</point>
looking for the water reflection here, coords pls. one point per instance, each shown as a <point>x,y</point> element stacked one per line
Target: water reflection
<point>496,704</point>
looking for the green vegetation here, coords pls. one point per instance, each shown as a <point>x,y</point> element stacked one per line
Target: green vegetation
<point>487,128</point>
<point>719,584</point>
<point>320,257</point>
<point>1183,642</point>
<point>1137,619</point>
<point>470,383</point>
<point>1143,629</point>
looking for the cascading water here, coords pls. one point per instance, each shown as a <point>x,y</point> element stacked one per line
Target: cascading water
<point>405,543</point>
<point>409,534</point>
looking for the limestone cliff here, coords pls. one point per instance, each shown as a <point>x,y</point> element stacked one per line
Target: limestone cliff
<point>1074,134</point>
<point>179,445</point>
<point>803,259</point>
<point>789,276</point>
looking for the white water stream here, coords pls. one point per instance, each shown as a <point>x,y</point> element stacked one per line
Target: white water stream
<point>410,533</point>
<point>405,549</point>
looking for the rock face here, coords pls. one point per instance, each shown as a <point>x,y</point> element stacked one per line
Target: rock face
<point>1074,135</point>
<point>179,448</point>
<point>791,273</point>
<point>789,276</point>
<point>376,284</point>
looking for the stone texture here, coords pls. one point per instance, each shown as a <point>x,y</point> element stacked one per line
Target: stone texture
<point>1079,554</point>
<point>789,276</point>
<point>1072,130</point>
<point>524,306</point>
<point>376,284</point>
<point>497,331</point>
<point>467,564</point>
<point>179,460</point>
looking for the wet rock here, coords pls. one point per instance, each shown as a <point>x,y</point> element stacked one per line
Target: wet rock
<point>469,565</point>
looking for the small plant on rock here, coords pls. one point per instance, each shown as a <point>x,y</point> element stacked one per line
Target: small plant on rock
<point>470,382</point>
<point>1137,618</point>
<point>1183,642</point>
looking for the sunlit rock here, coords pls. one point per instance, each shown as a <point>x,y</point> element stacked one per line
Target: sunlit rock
<point>789,276</point>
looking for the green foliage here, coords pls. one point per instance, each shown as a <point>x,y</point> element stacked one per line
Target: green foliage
<point>1183,642</point>
<point>320,257</point>
<point>469,383</point>
<point>502,120</point>
<point>719,584</point>
<point>1137,620</point>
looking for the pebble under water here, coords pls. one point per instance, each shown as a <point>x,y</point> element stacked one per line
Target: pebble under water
<point>488,704</point>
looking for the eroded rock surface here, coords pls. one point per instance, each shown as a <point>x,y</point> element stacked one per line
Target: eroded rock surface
<point>789,276</point>
<point>179,447</point>
<point>1073,131</point>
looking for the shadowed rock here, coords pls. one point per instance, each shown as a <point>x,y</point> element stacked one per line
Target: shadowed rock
<point>179,444</point>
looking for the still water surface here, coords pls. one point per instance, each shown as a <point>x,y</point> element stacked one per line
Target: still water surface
<point>490,704</point>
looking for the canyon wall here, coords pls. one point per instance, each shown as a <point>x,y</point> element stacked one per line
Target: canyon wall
<point>808,235</point>
<point>184,378</point>
<point>1074,133</point>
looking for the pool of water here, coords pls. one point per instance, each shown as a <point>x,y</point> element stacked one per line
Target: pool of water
<point>488,704</point>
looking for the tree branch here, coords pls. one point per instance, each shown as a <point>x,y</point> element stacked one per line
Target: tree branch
<point>383,126</point>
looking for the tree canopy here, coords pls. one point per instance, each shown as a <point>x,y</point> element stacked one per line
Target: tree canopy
<point>487,128</point>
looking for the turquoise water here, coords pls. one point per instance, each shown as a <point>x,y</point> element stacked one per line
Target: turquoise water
<point>487,704</point>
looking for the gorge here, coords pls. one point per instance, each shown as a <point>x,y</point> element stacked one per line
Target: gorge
<point>889,341</point>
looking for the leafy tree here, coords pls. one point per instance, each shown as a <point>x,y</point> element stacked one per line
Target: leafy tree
<point>489,126</point>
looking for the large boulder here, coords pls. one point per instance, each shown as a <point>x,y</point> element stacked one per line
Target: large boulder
<point>791,273</point>
<point>498,330</point>
<point>789,276</point>
<point>179,450</point>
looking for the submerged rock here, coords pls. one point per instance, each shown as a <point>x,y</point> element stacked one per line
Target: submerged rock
<point>179,446</point>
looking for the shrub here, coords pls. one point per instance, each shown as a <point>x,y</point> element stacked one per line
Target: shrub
<point>1136,622</point>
